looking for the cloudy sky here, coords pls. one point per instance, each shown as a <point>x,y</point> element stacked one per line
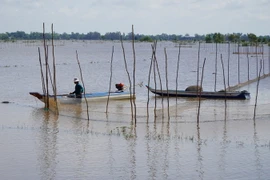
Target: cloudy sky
<point>149,17</point>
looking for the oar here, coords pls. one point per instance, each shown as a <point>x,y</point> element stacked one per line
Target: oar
<point>64,94</point>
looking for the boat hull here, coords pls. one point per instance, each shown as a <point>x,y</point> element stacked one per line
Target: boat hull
<point>204,94</point>
<point>97,96</point>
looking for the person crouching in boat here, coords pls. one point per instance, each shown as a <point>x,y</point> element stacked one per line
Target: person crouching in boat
<point>119,87</point>
<point>78,89</point>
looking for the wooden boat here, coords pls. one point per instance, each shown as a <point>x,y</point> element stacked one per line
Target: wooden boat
<point>203,94</point>
<point>96,96</point>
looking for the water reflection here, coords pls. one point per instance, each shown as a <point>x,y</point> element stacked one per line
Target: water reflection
<point>47,144</point>
<point>257,153</point>
<point>166,149</point>
<point>200,157</point>
<point>224,146</point>
<point>132,153</point>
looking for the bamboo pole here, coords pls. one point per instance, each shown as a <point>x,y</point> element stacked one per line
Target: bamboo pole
<point>54,73</point>
<point>134,73</point>
<point>257,61</point>
<point>224,82</point>
<point>229,53</point>
<point>77,57</point>
<point>46,70</point>
<point>269,58</point>
<point>177,70</point>
<point>42,74</point>
<point>215,88</point>
<point>257,89</point>
<point>155,82</point>
<point>198,67</point>
<point>263,59</point>
<point>156,66</point>
<point>238,63</point>
<point>248,63</point>
<point>149,76</point>
<point>107,105</point>
<point>199,106</point>
<point>167,81</point>
<point>148,92</point>
<point>129,79</point>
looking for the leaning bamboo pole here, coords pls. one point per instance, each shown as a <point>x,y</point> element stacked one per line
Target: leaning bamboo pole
<point>46,70</point>
<point>110,83</point>
<point>155,82</point>
<point>79,64</point>
<point>156,66</point>
<point>148,83</point>
<point>257,90</point>
<point>224,83</point>
<point>200,93</point>
<point>177,70</point>
<point>42,74</point>
<point>54,73</point>
<point>134,73</point>
<point>167,81</point>
<point>129,78</point>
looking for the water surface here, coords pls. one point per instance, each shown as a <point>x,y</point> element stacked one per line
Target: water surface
<point>228,143</point>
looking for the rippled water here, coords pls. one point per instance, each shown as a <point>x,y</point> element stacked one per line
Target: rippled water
<point>228,143</point>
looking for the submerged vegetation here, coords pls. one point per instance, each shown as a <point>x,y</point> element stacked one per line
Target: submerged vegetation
<point>208,38</point>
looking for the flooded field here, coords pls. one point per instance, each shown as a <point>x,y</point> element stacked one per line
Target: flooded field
<point>166,143</point>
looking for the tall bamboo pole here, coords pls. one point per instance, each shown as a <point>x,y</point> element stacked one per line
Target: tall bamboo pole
<point>129,78</point>
<point>167,81</point>
<point>229,53</point>
<point>54,73</point>
<point>134,73</point>
<point>198,67</point>
<point>155,82</point>
<point>224,83</point>
<point>156,66</point>
<point>257,90</point>
<point>148,92</point>
<point>248,65</point>
<point>257,61</point>
<point>269,58</point>
<point>215,89</point>
<point>263,58</point>
<point>110,83</point>
<point>46,69</point>
<point>238,63</point>
<point>177,70</point>
<point>42,74</point>
<point>200,93</point>
<point>79,64</point>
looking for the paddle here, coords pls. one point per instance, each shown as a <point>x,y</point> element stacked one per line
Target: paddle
<point>63,94</point>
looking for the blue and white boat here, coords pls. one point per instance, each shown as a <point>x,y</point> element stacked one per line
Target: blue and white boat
<point>95,96</point>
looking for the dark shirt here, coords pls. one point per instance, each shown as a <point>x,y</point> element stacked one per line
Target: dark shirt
<point>78,90</point>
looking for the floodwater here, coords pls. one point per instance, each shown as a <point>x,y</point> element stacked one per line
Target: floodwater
<point>229,142</point>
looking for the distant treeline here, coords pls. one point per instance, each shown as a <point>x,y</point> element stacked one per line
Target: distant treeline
<point>208,38</point>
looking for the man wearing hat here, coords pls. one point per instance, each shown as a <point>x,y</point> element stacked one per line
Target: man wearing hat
<point>78,89</point>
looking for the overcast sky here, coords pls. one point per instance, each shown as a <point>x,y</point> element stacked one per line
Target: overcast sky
<point>149,17</point>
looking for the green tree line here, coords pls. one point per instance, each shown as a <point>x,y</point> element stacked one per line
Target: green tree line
<point>208,38</point>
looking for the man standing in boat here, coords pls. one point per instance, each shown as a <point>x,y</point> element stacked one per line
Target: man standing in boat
<point>78,89</point>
